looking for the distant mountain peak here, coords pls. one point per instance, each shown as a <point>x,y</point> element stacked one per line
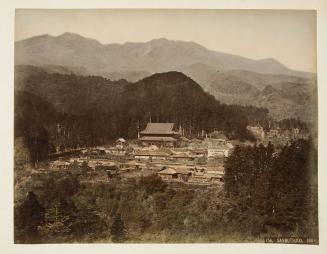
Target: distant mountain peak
<point>69,35</point>
<point>35,38</point>
<point>271,60</point>
<point>73,39</point>
<point>164,40</point>
<point>73,36</point>
<point>161,39</point>
<point>169,75</point>
<point>45,36</point>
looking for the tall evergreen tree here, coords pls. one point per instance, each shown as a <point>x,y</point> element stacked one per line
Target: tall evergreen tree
<point>118,230</point>
<point>56,224</point>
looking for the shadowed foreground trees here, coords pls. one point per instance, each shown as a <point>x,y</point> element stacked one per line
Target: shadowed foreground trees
<point>280,188</point>
<point>27,217</point>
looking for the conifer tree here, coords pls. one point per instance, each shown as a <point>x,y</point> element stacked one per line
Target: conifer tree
<point>118,230</point>
<point>56,225</point>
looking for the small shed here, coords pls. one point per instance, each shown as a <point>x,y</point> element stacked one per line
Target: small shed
<point>121,140</point>
<point>59,165</point>
<point>174,174</point>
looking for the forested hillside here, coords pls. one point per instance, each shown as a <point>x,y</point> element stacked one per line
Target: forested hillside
<point>93,110</point>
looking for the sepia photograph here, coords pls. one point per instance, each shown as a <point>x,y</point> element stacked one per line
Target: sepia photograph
<point>165,126</point>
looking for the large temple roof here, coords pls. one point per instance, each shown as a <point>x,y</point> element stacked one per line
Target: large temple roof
<point>159,139</point>
<point>159,128</point>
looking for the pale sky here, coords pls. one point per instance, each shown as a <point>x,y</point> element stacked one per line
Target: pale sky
<point>287,36</point>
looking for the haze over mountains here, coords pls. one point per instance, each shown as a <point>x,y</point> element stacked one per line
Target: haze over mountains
<point>158,55</point>
<point>231,79</point>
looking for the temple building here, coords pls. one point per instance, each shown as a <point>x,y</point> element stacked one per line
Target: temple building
<point>160,134</point>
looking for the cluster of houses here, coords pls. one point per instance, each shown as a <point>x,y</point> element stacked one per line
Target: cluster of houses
<point>161,150</point>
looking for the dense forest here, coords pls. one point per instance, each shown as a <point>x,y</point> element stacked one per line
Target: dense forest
<point>69,110</point>
<point>265,194</point>
<point>275,190</point>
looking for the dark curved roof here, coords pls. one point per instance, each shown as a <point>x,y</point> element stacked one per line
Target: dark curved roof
<point>159,139</point>
<point>159,128</point>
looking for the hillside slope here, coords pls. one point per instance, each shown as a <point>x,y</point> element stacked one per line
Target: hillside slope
<point>107,109</point>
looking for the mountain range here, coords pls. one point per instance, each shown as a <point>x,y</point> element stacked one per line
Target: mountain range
<point>231,79</point>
